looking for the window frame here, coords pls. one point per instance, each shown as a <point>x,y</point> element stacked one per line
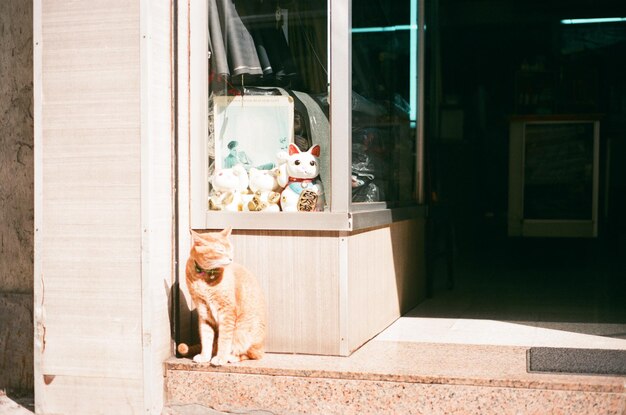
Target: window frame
<point>343,214</point>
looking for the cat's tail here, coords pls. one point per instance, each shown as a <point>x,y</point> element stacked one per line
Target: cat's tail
<point>186,350</point>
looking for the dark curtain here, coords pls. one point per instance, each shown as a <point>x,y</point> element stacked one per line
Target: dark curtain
<point>248,44</point>
<point>246,38</point>
<point>232,48</point>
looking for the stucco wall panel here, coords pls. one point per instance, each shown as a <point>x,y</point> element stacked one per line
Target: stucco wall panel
<point>16,146</point>
<point>16,194</point>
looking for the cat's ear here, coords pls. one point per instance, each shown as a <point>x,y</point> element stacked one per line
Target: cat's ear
<point>293,149</point>
<point>315,150</point>
<point>226,232</point>
<point>196,238</point>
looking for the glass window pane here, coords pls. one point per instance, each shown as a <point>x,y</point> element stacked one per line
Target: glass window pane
<point>384,101</point>
<point>268,106</point>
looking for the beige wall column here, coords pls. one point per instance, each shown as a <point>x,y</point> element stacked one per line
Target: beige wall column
<point>103,204</point>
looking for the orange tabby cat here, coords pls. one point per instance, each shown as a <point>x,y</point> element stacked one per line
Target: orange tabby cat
<point>229,301</point>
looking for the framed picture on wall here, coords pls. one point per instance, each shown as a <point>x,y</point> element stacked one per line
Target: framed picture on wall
<point>554,176</point>
<point>251,130</point>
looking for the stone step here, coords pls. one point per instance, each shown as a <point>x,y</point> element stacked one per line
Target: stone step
<point>390,377</point>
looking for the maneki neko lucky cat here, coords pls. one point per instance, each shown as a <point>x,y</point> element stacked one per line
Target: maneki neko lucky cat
<point>228,187</point>
<point>298,173</point>
<point>265,191</point>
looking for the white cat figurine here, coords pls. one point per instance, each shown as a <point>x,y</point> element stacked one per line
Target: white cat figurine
<point>228,186</point>
<point>265,191</point>
<point>298,173</point>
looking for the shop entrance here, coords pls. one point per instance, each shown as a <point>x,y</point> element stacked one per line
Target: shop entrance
<point>489,62</point>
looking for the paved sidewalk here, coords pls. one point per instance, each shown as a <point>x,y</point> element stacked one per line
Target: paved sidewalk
<point>24,405</point>
<point>8,406</point>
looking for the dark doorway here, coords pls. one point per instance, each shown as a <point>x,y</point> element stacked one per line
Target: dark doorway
<point>489,60</point>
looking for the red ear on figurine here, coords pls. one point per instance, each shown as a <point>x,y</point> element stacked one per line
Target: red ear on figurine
<point>315,150</point>
<point>293,149</point>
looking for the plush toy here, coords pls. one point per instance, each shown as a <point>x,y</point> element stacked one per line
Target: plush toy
<point>228,187</point>
<point>265,191</point>
<point>298,174</point>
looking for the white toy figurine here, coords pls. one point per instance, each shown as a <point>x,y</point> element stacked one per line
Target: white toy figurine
<point>228,186</point>
<point>298,174</point>
<point>265,191</point>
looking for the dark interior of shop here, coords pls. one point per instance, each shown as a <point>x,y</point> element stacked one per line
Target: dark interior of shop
<point>489,60</point>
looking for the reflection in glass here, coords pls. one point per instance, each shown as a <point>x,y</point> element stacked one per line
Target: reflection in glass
<point>384,107</point>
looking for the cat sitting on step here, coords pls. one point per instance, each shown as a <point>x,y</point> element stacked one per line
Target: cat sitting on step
<point>229,300</point>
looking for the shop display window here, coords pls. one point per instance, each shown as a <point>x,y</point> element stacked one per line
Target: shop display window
<point>312,110</point>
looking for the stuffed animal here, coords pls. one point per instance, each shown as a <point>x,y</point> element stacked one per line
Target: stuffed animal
<point>265,191</point>
<point>228,186</point>
<point>298,174</point>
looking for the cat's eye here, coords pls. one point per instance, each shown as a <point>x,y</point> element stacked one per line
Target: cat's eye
<point>312,163</point>
<point>297,162</point>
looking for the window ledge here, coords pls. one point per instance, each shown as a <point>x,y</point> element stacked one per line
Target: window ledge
<point>314,221</point>
<point>364,219</point>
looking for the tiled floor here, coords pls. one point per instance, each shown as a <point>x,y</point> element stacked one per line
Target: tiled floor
<point>561,293</point>
<point>13,404</point>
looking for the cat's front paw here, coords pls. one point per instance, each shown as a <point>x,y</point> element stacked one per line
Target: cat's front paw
<point>219,361</point>
<point>222,360</point>
<point>200,358</point>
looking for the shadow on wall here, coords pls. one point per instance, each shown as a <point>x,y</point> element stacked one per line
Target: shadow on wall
<point>16,341</point>
<point>183,319</point>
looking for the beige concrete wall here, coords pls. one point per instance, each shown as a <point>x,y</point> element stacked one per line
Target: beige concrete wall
<point>16,194</point>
